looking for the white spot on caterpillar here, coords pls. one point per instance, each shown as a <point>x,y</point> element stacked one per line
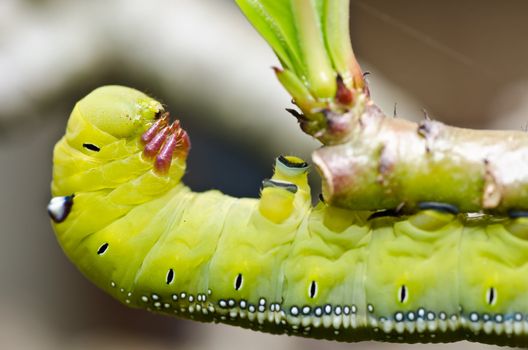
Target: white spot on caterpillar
<point>183,295</point>
<point>337,310</point>
<point>155,297</point>
<point>294,310</point>
<point>191,298</point>
<point>144,298</point>
<point>318,312</point>
<point>112,284</point>
<point>370,308</point>
<point>243,304</point>
<point>175,297</point>
<point>60,207</point>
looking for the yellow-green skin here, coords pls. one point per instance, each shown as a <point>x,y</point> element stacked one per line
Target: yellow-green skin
<point>277,264</point>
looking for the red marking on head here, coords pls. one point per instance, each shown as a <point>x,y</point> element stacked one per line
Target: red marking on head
<point>176,143</point>
<point>184,143</point>
<point>154,145</point>
<point>154,128</point>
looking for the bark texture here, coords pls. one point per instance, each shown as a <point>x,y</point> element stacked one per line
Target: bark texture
<point>389,163</point>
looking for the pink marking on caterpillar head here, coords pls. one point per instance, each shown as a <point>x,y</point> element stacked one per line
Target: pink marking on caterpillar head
<point>164,158</point>
<point>178,141</point>
<point>154,128</point>
<point>184,143</point>
<point>153,146</point>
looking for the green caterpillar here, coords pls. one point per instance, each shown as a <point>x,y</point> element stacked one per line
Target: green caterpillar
<point>276,263</point>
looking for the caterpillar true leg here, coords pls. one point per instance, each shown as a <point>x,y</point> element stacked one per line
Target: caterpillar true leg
<point>162,141</point>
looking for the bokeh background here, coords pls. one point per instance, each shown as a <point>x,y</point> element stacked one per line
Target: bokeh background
<point>465,62</point>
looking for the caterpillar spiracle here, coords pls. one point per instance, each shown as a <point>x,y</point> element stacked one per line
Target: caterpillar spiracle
<point>275,264</point>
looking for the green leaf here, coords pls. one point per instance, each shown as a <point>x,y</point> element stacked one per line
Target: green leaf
<point>274,21</point>
<point>321,75</point>
<point>312,41</point>
<point>337,35</point>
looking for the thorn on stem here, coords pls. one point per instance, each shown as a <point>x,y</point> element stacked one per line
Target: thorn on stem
<point>296,114</point>
<point>395,111</point>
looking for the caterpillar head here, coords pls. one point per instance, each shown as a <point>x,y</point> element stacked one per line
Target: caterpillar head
<point>116,134</point>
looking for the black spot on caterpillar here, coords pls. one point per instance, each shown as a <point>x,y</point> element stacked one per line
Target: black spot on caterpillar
<point>91,147</point>
<point>170,276</point>
<point>276,263</point>
<point>238,282</point>
<point>102,249</point>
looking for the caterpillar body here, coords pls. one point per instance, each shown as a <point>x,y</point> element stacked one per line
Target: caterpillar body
<point>275,264</point>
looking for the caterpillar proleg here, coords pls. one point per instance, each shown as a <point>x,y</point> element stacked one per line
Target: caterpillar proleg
<point>275,264</point>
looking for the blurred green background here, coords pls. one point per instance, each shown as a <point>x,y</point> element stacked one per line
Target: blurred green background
<point>464,61</point>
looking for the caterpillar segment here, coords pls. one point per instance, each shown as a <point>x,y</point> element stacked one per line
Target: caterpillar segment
<point>274,264</point>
